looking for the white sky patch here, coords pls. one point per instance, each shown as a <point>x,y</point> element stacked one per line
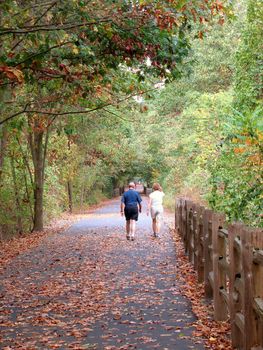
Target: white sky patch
<point>138,99</point>
<point>160,85</point>
<point>148,62</point>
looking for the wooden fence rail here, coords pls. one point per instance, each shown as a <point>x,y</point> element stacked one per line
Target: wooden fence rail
<point>229,260</point>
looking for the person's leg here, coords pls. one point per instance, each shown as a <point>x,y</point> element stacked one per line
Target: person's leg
<point>132,228</point>
<point>159,218</point>
<point>134,218</point>
<point>128,223</point>
<point>153,215</point>
<point>158,226</point>
<point>158,221</point>
<point>154,225</point>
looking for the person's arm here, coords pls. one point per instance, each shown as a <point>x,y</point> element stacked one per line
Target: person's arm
<point>149,205</point>
<point>122,206</point>
<point>139,200</point>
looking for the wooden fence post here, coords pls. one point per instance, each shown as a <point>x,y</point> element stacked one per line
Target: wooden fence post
<point>219,275</point>
<point>196,217</point>
<point>200,245</point>
<point>188,219</point>
<point>190,231</point>
<point>178,215</point>
<point>208,266</point>
<point>184,222</point>
<point>235,286</point>
<point>249,315</point>
<point>257,272</point>
<point>181,217</point>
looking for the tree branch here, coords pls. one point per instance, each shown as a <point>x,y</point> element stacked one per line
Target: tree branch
<point>36,21</point>
<point>33,7</point>
<point>6,31</point>
<point>43,52</point>
<point>55,114</point>
<point>25,161</point>
<point>14,115</point>
<point>115,114</point>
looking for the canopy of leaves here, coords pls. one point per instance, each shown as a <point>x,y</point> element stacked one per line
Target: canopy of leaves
<point>209,123</point>
<point>201,136</point>
<point>76,47</point>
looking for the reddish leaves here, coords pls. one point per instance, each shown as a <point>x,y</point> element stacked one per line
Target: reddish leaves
<point>217,334</point>
<point>17,245</point>
<point>13,74</point>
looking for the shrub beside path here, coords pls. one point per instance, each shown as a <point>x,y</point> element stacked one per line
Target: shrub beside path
<point>90,288</point>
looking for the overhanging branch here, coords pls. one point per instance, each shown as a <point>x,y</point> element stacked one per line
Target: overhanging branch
<point>44,52</point>
<point>24,31</point>
<point>55,114</point>
<point>14,115</point>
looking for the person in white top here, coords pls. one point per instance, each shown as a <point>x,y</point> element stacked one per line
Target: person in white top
<point>155,206</point>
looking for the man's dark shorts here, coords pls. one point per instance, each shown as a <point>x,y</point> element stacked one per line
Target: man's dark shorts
<point>131,213</point>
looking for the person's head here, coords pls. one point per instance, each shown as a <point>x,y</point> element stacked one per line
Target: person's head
<point>157,187</point>
<point>131,185</point>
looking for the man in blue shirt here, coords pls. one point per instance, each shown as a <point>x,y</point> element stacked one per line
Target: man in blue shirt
<point>131,206</point>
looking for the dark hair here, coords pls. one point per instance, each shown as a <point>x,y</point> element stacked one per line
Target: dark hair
<point>157,187</point>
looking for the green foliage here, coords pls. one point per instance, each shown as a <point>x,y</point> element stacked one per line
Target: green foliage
<point>249,61</point>
<point>236,177</point>
<point>200,136</point>
<point>213,122</point>
<point>82,42</point>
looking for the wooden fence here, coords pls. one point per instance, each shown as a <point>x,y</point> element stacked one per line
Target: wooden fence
<point>229,260</point>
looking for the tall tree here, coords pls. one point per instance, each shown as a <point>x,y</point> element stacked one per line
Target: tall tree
<point>71,58</point>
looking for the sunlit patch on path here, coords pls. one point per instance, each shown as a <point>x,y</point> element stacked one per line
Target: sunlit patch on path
<point>90,288</point>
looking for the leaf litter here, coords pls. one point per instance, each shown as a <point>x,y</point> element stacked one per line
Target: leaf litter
<point>77,290</point>
<point>216,334</point>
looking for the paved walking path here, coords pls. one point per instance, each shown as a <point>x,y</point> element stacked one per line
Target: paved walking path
<point>90,288</point>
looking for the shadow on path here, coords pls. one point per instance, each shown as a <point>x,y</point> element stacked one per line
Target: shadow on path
<point>90,288</point>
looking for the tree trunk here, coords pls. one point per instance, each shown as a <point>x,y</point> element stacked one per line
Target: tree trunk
<point>38,182</point>
<point>17,199</point>
<point>3,142</point>
<point>82,195</point>
<point>70,199</point>
<point>27,167</point>
<point>29,200</point>
<point>70,186</point>
<point>36,147</point>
